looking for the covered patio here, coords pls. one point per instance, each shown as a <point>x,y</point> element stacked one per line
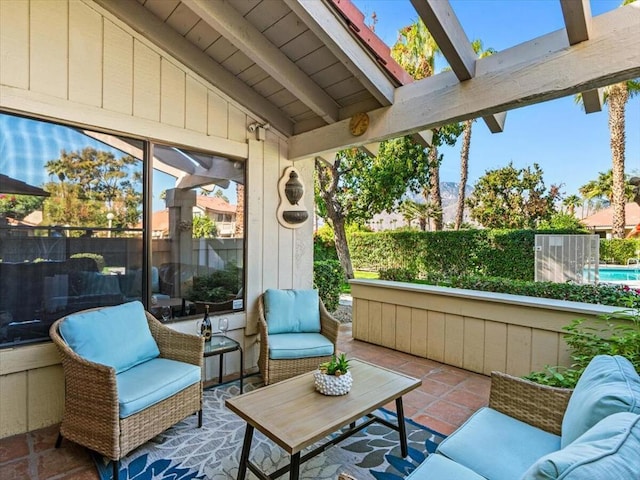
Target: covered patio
<point>447,397</point>
<point>266,86</point>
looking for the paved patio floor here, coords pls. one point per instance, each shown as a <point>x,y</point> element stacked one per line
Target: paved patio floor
<point>447,397</point>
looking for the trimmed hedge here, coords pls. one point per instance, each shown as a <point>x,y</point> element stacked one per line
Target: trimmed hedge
<point>615,295</point>
<point>496,253</point>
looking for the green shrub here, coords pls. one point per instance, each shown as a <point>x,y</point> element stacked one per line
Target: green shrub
<point>99,259</point>
<point>618,251</point>
<point>217,286</point>
<point>324,247</point>
<point>584,342</point>
<point>328,278</point>
<point>615,295</point>
<point>398,274</point>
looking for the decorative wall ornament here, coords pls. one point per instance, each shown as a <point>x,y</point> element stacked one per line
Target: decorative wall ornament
<point>291,210</point>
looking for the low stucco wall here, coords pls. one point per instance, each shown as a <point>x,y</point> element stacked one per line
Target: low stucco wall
<point>477,331</point>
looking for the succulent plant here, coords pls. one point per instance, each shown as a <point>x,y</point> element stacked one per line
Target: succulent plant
<point>336,366</point>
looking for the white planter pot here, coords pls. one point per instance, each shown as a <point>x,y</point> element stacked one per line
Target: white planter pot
<point>332,385</point>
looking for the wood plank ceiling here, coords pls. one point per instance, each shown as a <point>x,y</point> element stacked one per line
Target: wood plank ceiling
<point>306,66</point>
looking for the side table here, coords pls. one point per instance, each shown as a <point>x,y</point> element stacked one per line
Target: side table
<point>219,345</point>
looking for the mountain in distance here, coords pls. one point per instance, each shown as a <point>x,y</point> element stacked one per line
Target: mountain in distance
<point>449,195</point>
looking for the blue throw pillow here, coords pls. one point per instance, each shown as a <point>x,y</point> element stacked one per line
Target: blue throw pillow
<point>292,311</point>
<point>116,336</point>
<point>608,450</point>
<point>608,385</point>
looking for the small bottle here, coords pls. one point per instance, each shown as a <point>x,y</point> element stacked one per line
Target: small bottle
<point>205,326</point>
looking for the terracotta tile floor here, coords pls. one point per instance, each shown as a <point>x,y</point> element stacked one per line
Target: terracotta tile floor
<point>447,397</point>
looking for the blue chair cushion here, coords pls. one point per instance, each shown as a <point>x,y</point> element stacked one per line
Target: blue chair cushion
<point>95,283</point>
<point>496,446</point>
<point>608,450</point>
<point>292,311</point>
<point>153,381</point>
<point>608,385</point>
<point>116,336</point>
<point>438,467</point>
<point>298,345</point>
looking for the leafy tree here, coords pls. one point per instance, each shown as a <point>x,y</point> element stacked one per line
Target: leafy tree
<point>91,184</point>
<point>466,145</point>
<point>204,227</point>
<point>562,221</point>
<point>358,186</point>
<point>19,206</point>
<point>512,198</point>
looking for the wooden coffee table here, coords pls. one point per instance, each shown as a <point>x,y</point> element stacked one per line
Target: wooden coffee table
<point>295,416</point>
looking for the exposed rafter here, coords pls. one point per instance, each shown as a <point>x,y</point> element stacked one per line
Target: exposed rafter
<point>577,20</point>
<point>444,26</point>
<point>335,36</point>
<point>541,69</point>
<point>226,20</point>
<point>139,18</point>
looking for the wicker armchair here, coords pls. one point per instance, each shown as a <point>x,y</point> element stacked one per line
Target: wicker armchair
<point>276,370</point>
<point>91,408</point>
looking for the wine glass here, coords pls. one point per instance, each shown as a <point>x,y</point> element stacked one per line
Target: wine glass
<point>223,325</point>
<point>166,313</point>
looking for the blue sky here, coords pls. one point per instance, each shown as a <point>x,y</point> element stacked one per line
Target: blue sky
<point>570,146</point>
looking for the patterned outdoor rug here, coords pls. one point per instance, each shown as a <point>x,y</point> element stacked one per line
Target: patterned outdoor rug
<point>185,452</point>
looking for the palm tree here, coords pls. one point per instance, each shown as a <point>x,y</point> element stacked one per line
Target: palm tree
<point>617,96</point>
<point>423,212</point>
<point>416,51</point>
<point>601,187</point>
<point>571,202</point>
<point>466,144</point>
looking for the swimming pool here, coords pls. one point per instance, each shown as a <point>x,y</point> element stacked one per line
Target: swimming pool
<point>616,274</point>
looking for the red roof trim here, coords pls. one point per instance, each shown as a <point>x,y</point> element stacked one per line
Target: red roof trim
<point>382,53</point>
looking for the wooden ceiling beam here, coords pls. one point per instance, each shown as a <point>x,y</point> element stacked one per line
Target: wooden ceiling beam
<point>323,22</point>
<point>152,28</point>
<point>226,20</point>
<point>577,21</point>
<point>444,26</point>
<point>541,69</point>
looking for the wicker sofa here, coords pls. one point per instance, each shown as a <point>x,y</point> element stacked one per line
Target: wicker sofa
<point>530,431</point>
<point>127,376</point>
<point>297,333</point>
<point>535,432</point>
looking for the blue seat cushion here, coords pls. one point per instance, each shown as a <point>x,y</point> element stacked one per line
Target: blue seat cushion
<point>153,381</point>
<point>496,446</point>
<point>299,345</point>
<point>608,450</point>
<point>292,311</point>
<point>95,283</point>
<point>117,336</point>
<point>608,385</point>
<point>438,467</point>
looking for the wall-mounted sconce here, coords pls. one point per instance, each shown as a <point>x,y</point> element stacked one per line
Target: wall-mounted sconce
<point>291,210</point>
<point>260,130</point>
